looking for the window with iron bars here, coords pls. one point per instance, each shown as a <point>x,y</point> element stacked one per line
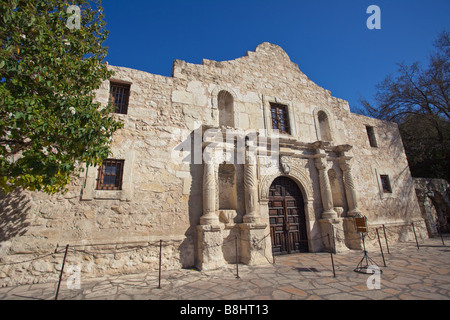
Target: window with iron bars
<point>110,175</point>
<point>119,96</point>
<point>280,118</point>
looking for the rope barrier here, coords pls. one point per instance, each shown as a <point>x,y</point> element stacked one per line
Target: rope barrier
<point>30,260</point>
<point>126,247</point>
<point>156,243</point>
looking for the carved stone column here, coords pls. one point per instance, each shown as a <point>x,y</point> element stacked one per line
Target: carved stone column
<point>350,192</point>
<point>250,188</point>
<point>209,232</point>
<point>352,203</point>
<point>252,240</point>
<point>325,189</point>
<point>209,195</point>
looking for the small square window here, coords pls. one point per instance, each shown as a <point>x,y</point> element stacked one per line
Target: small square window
<point>371,135</point>
<point>385,183</point>
<point>119,96</point>
<point>110,175</point>
<point>280,118</point>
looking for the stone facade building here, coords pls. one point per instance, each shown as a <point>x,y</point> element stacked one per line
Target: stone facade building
<point>434,201</point>
<point>247,154</point>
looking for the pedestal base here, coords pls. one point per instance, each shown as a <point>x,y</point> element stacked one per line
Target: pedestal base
<point>329,214</point>
<point>253,244</point>
<point>333,227</point>
<point>353,239</point>
<point>209,247</point>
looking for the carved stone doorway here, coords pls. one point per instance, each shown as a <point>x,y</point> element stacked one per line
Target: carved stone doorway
<point>287,217</point>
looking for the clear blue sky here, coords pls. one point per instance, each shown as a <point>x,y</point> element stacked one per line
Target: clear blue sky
<point>328,39</point>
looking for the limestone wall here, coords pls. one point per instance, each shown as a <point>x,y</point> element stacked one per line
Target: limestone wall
<point>387,159</point>
<point>162,191</point>
<point>154,203</point>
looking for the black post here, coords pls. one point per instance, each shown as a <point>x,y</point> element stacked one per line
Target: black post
<point>62,271</point>
<point>438,225</point>
<point>237,258</point>
<point>415,235</point>
<point>160,254</point>
<point>331,253</point>
<point>385,238</point>
<point>363,235</point>
<point>381,248</point>
<point>334,237</point>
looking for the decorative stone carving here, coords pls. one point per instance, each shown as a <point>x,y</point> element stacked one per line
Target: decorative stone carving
<point>350,192</point>
<point>209,195</point>
<point>227,217</point>
<point>285,165</point>
<point>339,210</point>
<point>298,173</point>
<point>251,189</point>
<point>325,189</point>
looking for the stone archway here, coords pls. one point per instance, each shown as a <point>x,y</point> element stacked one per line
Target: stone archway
<point>287,219</point>
<point>299,176</point>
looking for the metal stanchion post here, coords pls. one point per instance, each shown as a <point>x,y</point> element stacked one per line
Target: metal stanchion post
<point>160,254</point>
<point>438,225</point>
<point>385,239</point>
<point>237,258</point>
<point>415,235</point>
<point>334,237</point>
<point>381,248</point>
<point>331,253</point>
<point>62,271</point>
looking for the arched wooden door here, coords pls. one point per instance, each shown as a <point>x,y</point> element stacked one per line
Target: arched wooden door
<point>287,217</point>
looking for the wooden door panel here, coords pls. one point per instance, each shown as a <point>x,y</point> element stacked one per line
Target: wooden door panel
<point>287,217</point>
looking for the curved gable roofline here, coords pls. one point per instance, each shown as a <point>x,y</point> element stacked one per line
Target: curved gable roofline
<point>263,50</point>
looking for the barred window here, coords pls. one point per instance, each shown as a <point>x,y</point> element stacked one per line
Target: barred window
<point>280,118</point>
<point>110,175</point>
<point>118,96</point>
<point>385,183</point>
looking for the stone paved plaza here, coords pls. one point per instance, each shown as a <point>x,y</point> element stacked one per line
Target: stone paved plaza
<point>410,274</point>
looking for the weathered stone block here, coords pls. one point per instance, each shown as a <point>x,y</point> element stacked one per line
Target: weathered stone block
<point>210,240</point>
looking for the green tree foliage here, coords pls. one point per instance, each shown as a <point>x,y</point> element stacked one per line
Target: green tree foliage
<point>49,122</point>
<point>418,100</point>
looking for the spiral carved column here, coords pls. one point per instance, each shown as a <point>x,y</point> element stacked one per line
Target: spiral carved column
<point>209,195</point>
<point>350,191</point>
<point>325,189</point>
<point>250,189</point>
<point>252,230</point>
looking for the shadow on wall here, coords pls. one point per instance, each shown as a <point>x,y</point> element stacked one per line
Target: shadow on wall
<point>188,247</point>
<point>14,209</point>
<point>434,199</point>
<point>195,204</point>
<point>404,204</point>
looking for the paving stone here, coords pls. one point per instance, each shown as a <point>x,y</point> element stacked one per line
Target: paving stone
<point>292,277</point>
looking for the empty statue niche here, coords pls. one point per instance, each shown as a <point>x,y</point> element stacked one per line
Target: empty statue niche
<point>226,109</point>
<point>227,193</point>
<point>336,192</point>
<point>324,126</point>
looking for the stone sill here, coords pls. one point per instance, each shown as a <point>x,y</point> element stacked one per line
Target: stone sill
<point>121,195</point>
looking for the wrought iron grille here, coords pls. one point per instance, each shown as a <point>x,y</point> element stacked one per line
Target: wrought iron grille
<point>119,96</point>
<point>280,118</point>
<point>110,175</point>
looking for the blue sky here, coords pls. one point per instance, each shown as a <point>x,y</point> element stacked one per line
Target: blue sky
<point>328,39</point>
